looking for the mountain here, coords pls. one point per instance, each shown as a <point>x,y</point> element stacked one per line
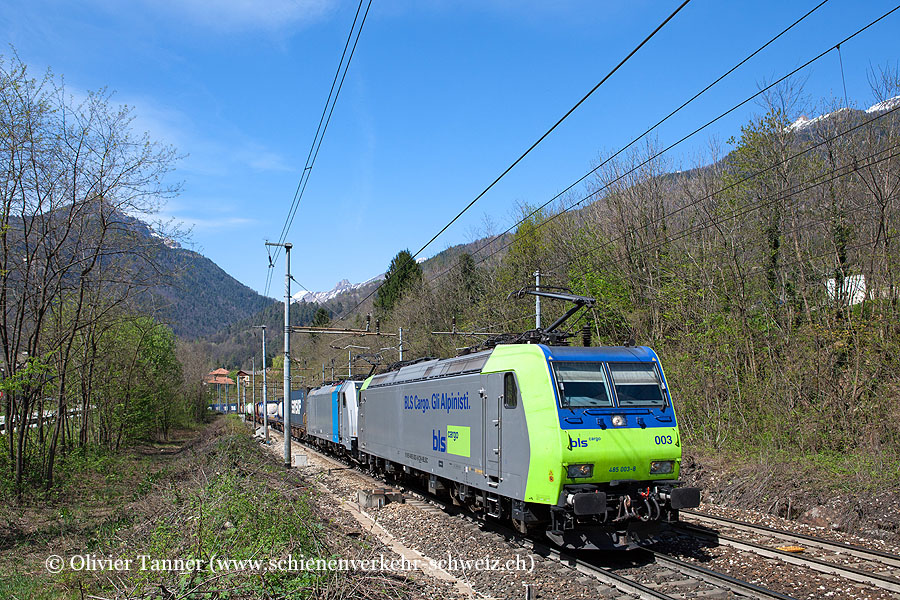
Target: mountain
<point>345,295</point>
<point>202,298</point>
<point>236,343</point>
<point>804,123</point>
<point>141,267</point>
<point>199,298</point>
<point>884,105</point>
<point>342,287</point>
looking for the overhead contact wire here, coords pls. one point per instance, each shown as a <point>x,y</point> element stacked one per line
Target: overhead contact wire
<point>322,127</point>
<point>650,129</point>
<point>676,143</point>
<point>537,142</point>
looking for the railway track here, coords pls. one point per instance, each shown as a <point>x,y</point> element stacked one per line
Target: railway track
<point>655,576</point>
<point>863,565</point>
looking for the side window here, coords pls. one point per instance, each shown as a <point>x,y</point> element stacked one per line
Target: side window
<point>510,391</point>
<point>344,400</point>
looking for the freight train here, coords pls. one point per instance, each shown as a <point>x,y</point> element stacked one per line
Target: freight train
<point>581,444</point>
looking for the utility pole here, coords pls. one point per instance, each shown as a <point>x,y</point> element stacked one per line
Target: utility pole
<point>237,378</point>
<point>265,407</point>
<point>537,300</point>
<point>287,356</point>
<point>287,351</point>
<point>400,345</point>
<point>253,380</point>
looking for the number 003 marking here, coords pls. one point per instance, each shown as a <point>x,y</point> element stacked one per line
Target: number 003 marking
<point>663,439</point>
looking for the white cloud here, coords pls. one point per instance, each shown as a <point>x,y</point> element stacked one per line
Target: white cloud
<point>162,123</point>
<point>203,154</point>
<point>264,160</point>
<point>204,223</point>
<point>246,14</point>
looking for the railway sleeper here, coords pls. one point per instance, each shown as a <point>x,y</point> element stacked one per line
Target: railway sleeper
<point>627,514</point>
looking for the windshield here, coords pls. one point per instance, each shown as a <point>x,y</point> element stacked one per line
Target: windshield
<point>581,384</point>
<point>637,384</point>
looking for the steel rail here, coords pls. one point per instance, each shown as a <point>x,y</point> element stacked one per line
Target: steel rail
<point>868,554</point>
<point>600,573</point>
<point>738,586</point>
<point>817,564</point>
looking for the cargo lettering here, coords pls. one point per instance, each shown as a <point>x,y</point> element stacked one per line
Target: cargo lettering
<point>447,402</point>
<point>438,441</point>
<point>457,441</point>
<point>582,443</point>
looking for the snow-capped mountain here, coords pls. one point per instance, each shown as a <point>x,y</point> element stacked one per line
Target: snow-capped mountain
<point>805,122</point>
<point>884,105</point>
<point>341,287</point>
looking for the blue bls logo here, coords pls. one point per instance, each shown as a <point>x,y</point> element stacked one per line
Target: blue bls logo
<point>577,443</point>
<point>438,441</point>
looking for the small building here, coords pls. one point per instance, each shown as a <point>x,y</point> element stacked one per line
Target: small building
<point>225,402</point>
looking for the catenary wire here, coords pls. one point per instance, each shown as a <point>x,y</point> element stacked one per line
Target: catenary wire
<point>650,129</point>
<point>854,166</point>
<point>533,146</point>
<point>311,156</point>
<point>738,182</point>
<point>845,170</point>
<point>594,193</point>
<point>663,151</point>
<point>853,35</point>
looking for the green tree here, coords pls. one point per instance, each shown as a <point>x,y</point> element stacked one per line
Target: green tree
<point>470,285</point>
<point>403,275</point>
<point>321,318</point>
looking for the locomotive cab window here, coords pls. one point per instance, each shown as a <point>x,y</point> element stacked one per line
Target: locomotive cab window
<point>637,384</point>
<point>510,391</point>
<point>581,385</point>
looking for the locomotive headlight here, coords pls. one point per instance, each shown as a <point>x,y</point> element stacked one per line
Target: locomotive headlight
<point>583,471</point>
<point>661,467</point>
<point>618,421</point>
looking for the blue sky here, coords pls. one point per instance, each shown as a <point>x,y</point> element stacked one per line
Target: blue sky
<point>441,97</point>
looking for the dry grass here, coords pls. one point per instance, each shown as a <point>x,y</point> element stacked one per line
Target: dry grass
<point>213,493</point>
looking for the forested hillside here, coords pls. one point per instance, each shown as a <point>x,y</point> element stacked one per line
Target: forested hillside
<point>765,276</point>
<point>201,298</point>
<point>237,344</point>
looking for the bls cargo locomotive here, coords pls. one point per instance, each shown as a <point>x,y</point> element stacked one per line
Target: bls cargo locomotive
<point>580,443</point>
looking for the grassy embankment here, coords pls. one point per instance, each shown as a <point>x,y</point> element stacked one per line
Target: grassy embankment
<point>211,493</point>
